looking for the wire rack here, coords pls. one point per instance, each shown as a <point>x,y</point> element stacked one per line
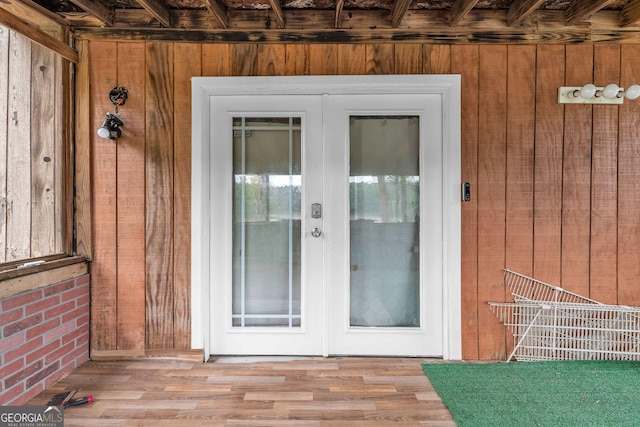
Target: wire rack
<point>549,323</point>
<point>525,288</point>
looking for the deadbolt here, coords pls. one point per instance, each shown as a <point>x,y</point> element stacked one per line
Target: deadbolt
<point>316,211</point>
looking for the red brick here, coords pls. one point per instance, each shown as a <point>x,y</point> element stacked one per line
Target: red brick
<point>72,335</point>
<point>31,393</point>
<point>58,332</point>
<point>22,324</point>
<point>9,343</point>
<point>83,301</point>
<point>9,396</point>
<point>42,374</point>
<point>82,321</point>
<point>59,353</point>
<point>79,355</point>
<point>83,340</point>
<point>20,300</point>
<point>74,293</point>
<point>43,328</point>
<point>41,305</point>
<point>69,366</point>
<point>58,288</point>
<point>23,373</point>
<point>22,350</point>
<point>56,376</point>
<point>60,309</point>
<point>41,352</point>
<point>74,314</point>
<point>12,368</point>
<point>11,316</point>
<point>22,320</point>
<point>82,280</point>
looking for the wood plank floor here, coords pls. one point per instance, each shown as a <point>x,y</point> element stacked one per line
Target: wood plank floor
<point>254,393</point>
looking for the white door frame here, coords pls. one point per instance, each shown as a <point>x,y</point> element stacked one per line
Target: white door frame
<point>447,86</point>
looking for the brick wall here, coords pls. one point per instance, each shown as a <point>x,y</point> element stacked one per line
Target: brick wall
<point>44,334</point>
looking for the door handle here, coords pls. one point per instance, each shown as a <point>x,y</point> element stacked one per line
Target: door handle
<point>316,232</point>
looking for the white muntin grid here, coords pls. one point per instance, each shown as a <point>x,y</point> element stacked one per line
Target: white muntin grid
<point>549,323</point>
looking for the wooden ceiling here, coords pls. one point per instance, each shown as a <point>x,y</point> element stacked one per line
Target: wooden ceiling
<point>171,13</point>
<point>348,21</point>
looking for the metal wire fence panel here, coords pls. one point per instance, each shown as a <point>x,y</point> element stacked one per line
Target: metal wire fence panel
<point>549,323</point>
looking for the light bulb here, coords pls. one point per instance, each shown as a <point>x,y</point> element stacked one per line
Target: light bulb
<point>588,91</point>
<point>104,132</point>
<point>611,91</point>
<point>632,92</point>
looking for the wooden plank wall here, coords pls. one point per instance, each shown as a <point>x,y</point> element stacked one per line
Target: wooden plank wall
<point>555,190</point>
<point>31,154</point>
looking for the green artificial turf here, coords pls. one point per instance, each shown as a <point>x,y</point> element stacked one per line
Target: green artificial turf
<point>566,393</point>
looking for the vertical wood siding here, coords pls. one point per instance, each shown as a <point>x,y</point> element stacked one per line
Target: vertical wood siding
<point>4,112</point>
<point>30,149</point>
<point>159,195</point>
<point>130,211</point>
<point>44,151</point>
<point>547,175</point>
<point>188,63</point>
<point>604,184</point>
<point>520,147</point>
<point>628,133</point>
<point>491,193</point>
<point>576,176</point>
<point>555,190</point>
<point>464,61</point>
<point>104,269</point>
<point>18,166</point>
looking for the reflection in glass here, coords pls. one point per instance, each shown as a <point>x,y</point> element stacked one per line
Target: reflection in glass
<point>267,195</point>
<point>384,199</point>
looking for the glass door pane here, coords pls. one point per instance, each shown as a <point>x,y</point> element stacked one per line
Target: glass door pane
<point>267,191</point>
<point>384,199</point>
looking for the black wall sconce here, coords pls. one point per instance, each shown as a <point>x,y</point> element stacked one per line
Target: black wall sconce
<point>110,128</point>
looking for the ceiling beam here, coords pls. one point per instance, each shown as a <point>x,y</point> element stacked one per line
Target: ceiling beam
<point>339,7</point>
<point>158,10</point>
<point>218,10</point>
<point>36,35</point>
<point>459,10</point>
<point>546,26</point>
<point>425,36</point>
<point>427,27</point>
<point>400,7</point>
<point>630,13</point>
<point>580,10</point>
<point>97,9</point>
<point>25,9</point>
<point>520,9</point>
<point>277,10</point>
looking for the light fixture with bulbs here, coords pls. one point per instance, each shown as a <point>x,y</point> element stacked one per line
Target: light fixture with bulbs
<point>110,128</point>
<point>592,94</point>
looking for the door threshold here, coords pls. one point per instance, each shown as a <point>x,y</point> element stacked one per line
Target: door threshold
<point>255,359</point>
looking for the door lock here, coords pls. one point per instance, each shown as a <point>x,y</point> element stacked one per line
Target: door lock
<point>316,232</point>
<point>316,211</point>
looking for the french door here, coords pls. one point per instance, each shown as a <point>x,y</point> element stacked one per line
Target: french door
<point>269,296</point>
<point>384,169</point>
<point>327,226</point>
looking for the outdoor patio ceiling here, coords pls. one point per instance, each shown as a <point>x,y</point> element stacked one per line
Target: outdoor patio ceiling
<point>312,14</point>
